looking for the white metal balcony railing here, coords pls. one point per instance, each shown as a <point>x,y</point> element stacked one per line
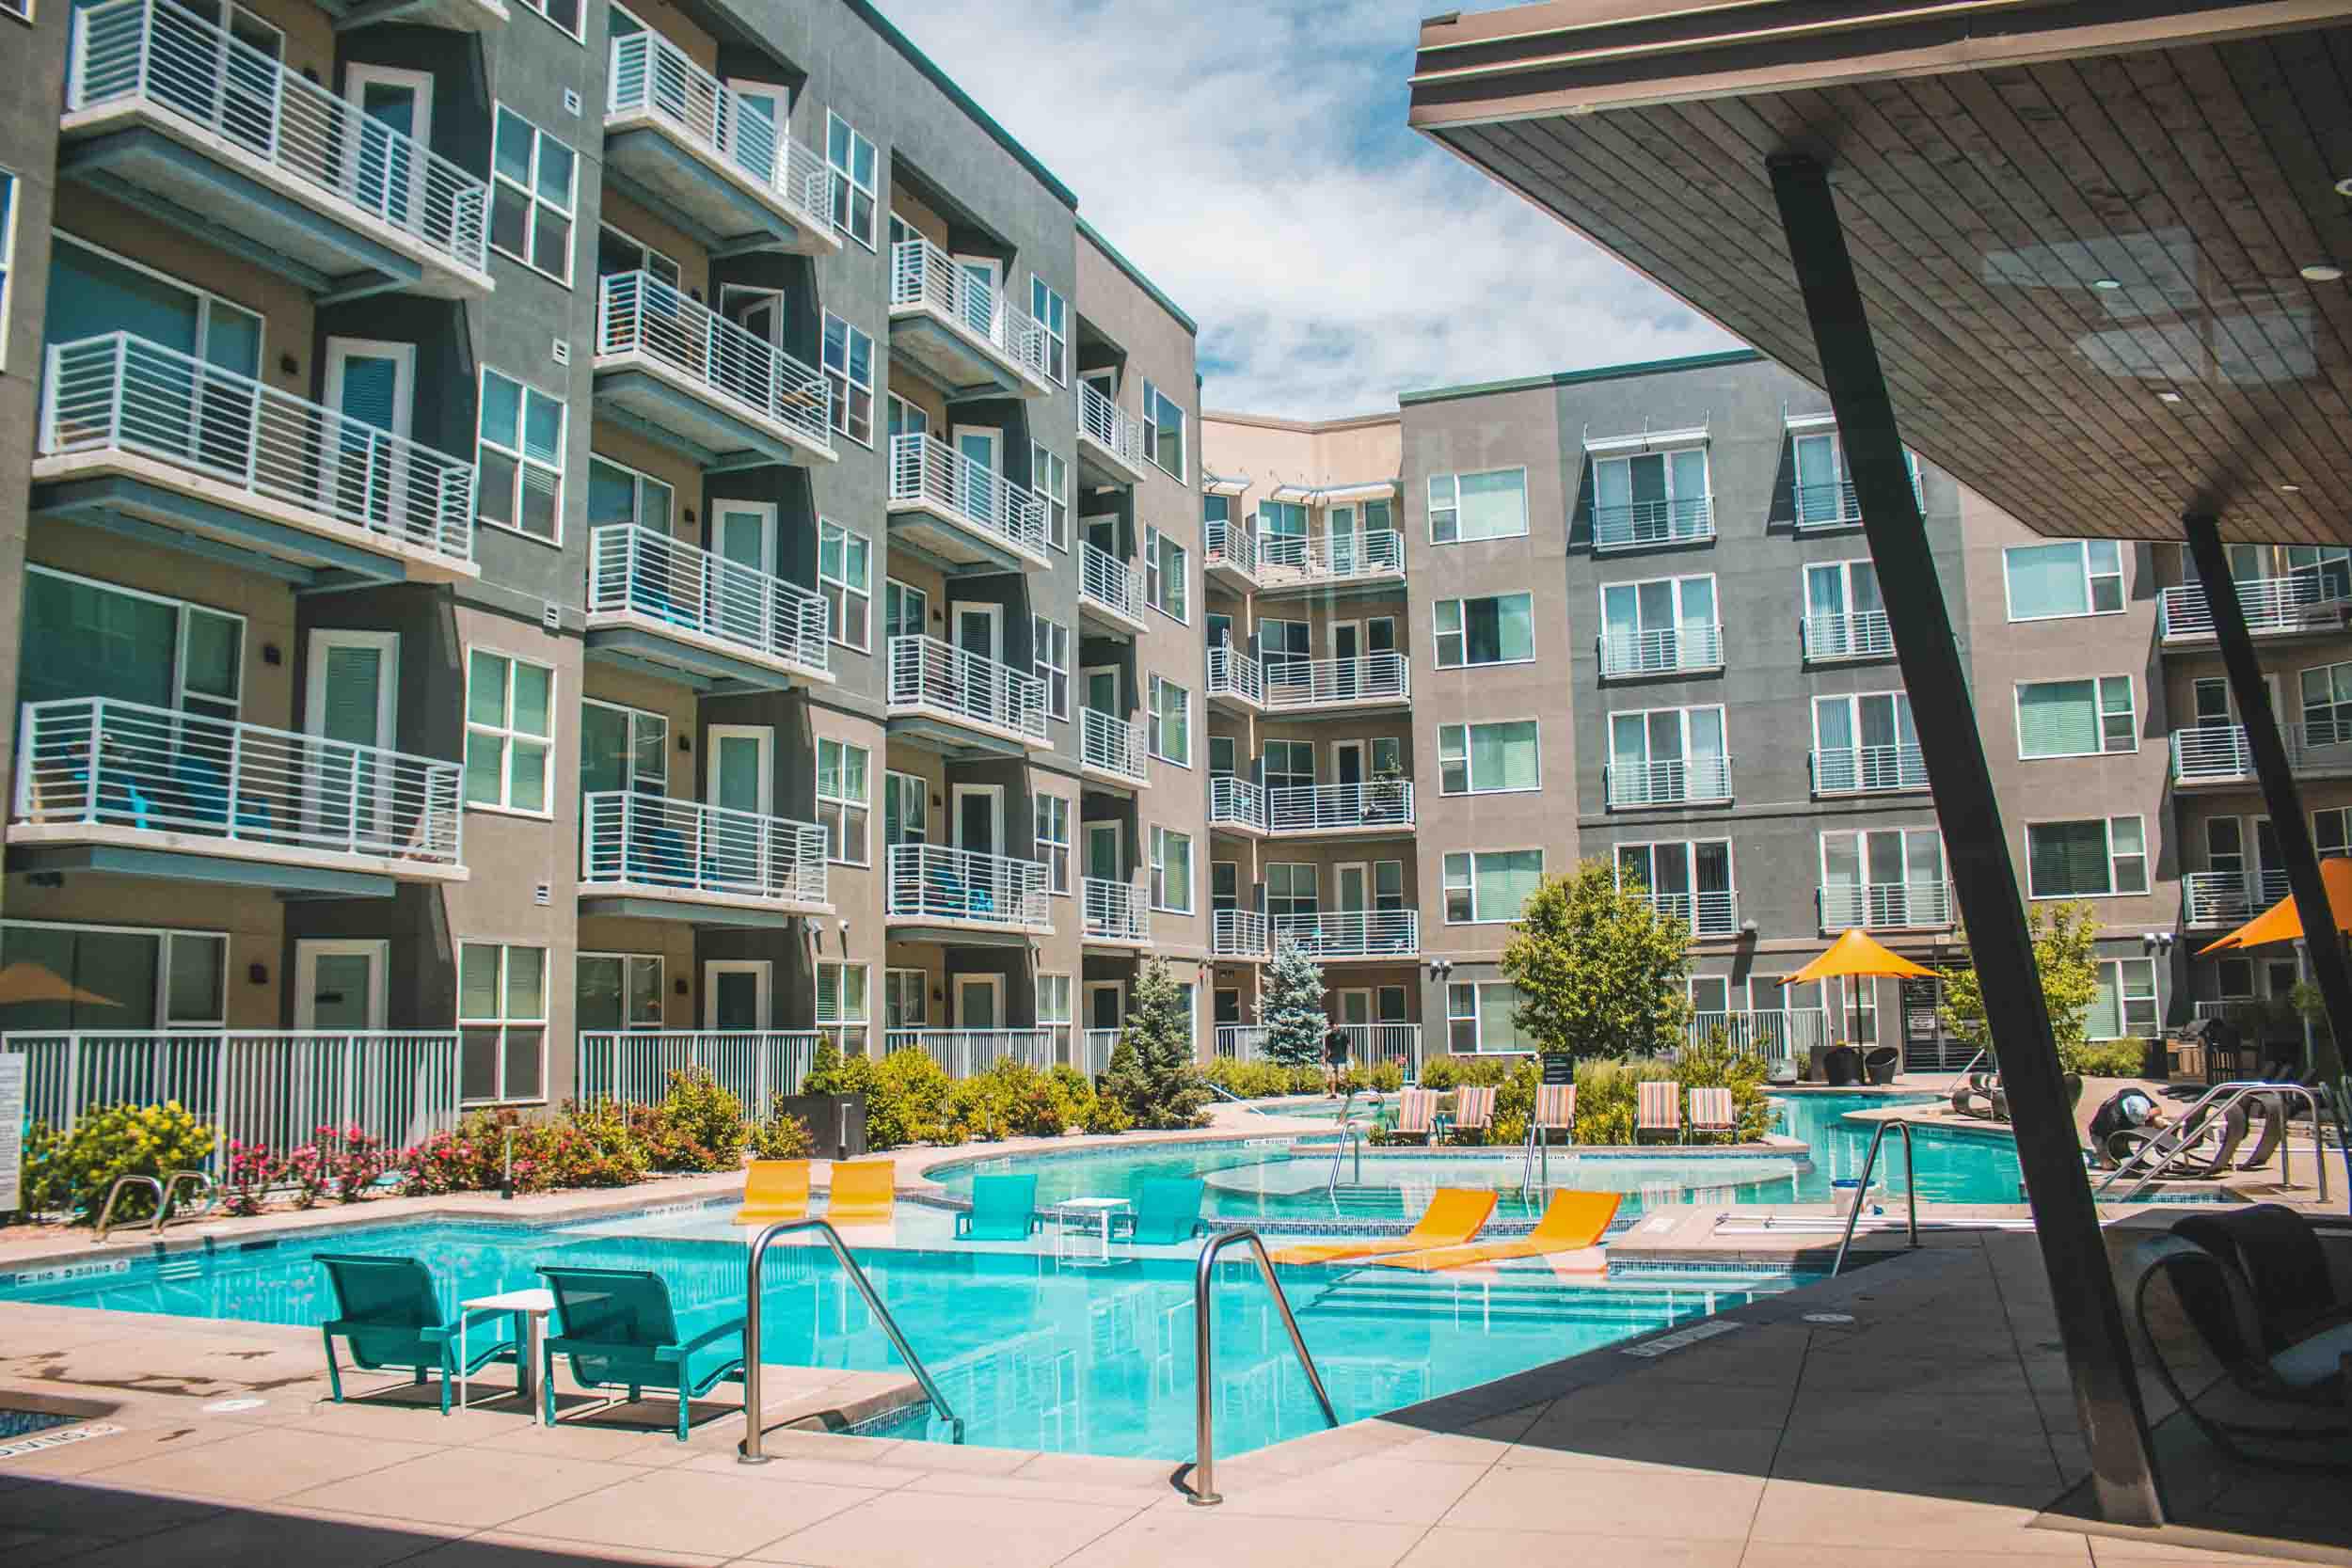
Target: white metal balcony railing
<point>932,881</point>
<point>1230,544</point>
<point>1660,652</point>
<point>156,53</point>
<point>1632,523</point>
<point>928,471</point>
<point>1707,912</point>
<point>2250,1015</point>
<point>650,74</point>
<point>1352,934</point>
<point>966,688</point>
<point>1114,911</point>
<point>1368,1044</point>
<point>922,274</point>
<point>633,1067</point>
<point>1096,1044</point>
<point>1104,579</point>
<point>1827,505</point>
<point>2220,752</point>
<point>2301,601</point>
<point>1292,683</point>
<point>1327,808</point>
<point>967,1052</point>
<point>636,570</point>
<point>1864,634</point>
<point>1875,904</point>
<point>1677,782</point>
<point>102,761</point>
<point>127,394</point>
<point>1234,673</point>
<point>695,848</point>
<point>2229,897</point>
<point>1236,803</point>
<point>1112,745</point>
<point>1862,770</point>
<point>638,314</point>
<point>1110,427</point>
<point>1286,560</point>
<point>1776,1034</point>
<point>1237,934</point>
<point>1241,1043</point>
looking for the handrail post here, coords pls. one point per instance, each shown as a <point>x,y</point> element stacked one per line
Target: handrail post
<point>1861,1188</point>
<point>1204,1493</point>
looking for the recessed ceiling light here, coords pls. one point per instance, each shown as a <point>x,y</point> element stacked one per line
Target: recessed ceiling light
<point>2168,397</point>
<point>2290,490</point>
<point>2343,186</point>
<point>2323,272</point>
<point>2106,282</point>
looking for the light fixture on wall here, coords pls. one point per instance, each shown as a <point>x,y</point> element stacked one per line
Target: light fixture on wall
<point>258,974</point>
<point>678,985</point>
<point>685,742</point>
<point>272,656</point>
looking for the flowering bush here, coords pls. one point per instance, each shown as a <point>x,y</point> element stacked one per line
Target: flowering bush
<point>247,1175</point>
<point>311,1170</point>
<point>697,1127</point>
<point>74,1170</point>
<point>357,1160</point>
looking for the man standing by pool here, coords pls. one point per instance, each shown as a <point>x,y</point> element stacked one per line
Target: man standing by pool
<point>1335,1060</point>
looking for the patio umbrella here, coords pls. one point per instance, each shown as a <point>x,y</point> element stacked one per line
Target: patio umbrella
<point>2283,923</point>
<point>27,981</point>
<point>1856,957</point>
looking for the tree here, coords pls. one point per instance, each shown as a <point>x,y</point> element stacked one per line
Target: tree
<point>2064,938</point>
<point>1152,1073</point>
<point>1293,1010</point>
<point>1600,972</point>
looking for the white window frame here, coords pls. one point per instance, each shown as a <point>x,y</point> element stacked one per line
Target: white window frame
<point>895,984</point>
<point>2113,971</point>
<point>1476,1018</point>
<point>638,479</point>
<point>1159,836</point>
<point>532,200</point>
<point>659,785</point>
<point>2100,713</point>
<point>1047,306</point>
<point>843,804</point>
<point>838,1021</point>
<point>524,392</point>
<point>505,1020</point>
<point>1467,750</point>
<point>507,735</point>
<point>841,382</point>
<point>1438,634</point>
<point>845,174</point>
<point>208,703</point>
<point>661,981</point>
<point>11,198</point>
<point>1158,686</point>
<point>1152,424</point>
<point>2090,597</point>
<point>580,18</point>
<point>1044,634</point>
<point>1165,561</point>
<point>1050,471</point>
<point>2142,854</point>
<point>1447,885</point>
<point>163,936</point>
<point>1054,810</point>
<point>829,585</point>
<point>1451,484</point>
<point>1046,1013</point>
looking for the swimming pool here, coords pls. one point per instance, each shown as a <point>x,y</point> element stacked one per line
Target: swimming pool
<point>1031,1355</point>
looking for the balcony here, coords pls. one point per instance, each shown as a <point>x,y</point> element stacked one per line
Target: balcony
<point>1237,934</point>
<point>1110,595</point>
<point>1833,504</point>
<point>1229,554</point>
<point>949,324</point>
<point>1096,1044</point>
<point>647,856</point>
<point>680,144</point>
<point>1236,805</point>
<point>1241,1043</point>
<point>115,786</point>
<point>2211,898</point>
<point>1111,750</point>
<point>1371,562</point>
<point>458,16</point>
<point>171,115</point>
<point>968,1052</point>
<point>955,698</point>
<point>1110,439</point>
<point>1115,913</point>
<point>1714,913</point>
<point>1869,769</point>
<point>680,374</point>
<point>1864,634</point>
<point>1374,680</point>
<point>1694,649</point>
<point>959,513</point>
<point>1886,906</point>
<point>960,893</point>
<point>2303,604</point>
<point>1235,681</point>
<point>633,1067</point>
<point>1678,782</point>
<point>1378,810</point>
<point>146,441</point>
<point>1776,1033</point>
<point>1648,524</point>
<point>652,598</point>
<point>2218,754</point>
<point>1356,934</point>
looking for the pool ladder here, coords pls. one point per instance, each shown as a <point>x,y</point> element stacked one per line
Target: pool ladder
<point>2159,1154</point>
<point>1204,1493</point>
<point>166,1192</point>
<point>1861,1187</point>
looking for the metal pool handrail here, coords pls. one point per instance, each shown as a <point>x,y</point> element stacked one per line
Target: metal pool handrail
<point>1861,1188</point>
<point>1204,1493</point>
<point>750,1453</point>
<point>1351,1136</point>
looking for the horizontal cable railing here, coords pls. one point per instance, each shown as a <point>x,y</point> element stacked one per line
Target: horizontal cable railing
<point>1631,524</point>
<point>633,1067</point>
<point>2229,897</point>
<point>1777,1034</point>
<point>1877,904</point>
<point>639,314</point>
<point>1356,933</point>
<point>1115,912</point>
<point>1230,544</point>
<point>1237,933</point>
<point>1669,782</point>
<point>156,52</point>
<point>932,881</point>
<point>1234,673</point>
<point>967,1052</point>
<point>1104,579</point>
<point>1319,808</point>
<point>1110,427</point>
<point>1864,634</point>
<point>1236,803</point>
<point>101,760</point>
<point>1290,559</point>
<point>1311,682</point>
<point>968,688</point>
<point>1627,652</point>
<point>2300,601</point>
<point>1111,744</point>
<point>128,394</point>
<point>922,274</point>
<point>634,569</point>
<point>650,74</point>
<point>691,848</point>
<point>924,470</point>
<point>1858,769</point>
<point>1708,912</point>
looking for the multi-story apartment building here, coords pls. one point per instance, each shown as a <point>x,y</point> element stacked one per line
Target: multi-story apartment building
<point>551,529</point>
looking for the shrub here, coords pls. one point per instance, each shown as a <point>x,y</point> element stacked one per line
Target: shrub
<point>1389,1077</point>
<point>906,1098</point>
<point>1293,1009</point>
<point>1269,1080</point>
<point>697,1127</point>
<point>1452,1072</point>
<point>1105,1114</point>
<point>74,1171</point>
<point>832,1073</point>
<point>2123,1058</point>
<point>782,1136</point>
<point>1605,1096</point>
<point>1152,1070</point>
<point>1712,1064</point>
<point>312,1171</point>
<point>247,1175</point>
<point>1598,968</point>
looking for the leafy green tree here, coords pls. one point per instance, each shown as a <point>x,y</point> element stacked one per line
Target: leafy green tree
<point>1152,1074</point>
<point>1600,972</point>
<point>2064,954</point>
<point>1293,1010</point>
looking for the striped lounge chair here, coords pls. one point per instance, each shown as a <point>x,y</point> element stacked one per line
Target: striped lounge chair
<point>1473,1110</point>
<point>1555,1112</point>
<point>1712,1111</point>
<point>1657,1108</point>
<point>1417,1114</point>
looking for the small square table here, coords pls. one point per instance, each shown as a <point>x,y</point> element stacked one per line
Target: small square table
<point>531,1309</point>
<point>1079,1215</point>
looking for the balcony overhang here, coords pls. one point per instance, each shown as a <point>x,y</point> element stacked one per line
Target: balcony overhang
<point>1233,701</point>
<point>1104,620</point>
<point>291,870</point>
<point>1390,956</point>
<point>637,639</point>
<point>657,401</point>
<point>961,933</point>
<point>1094,776</point>
<point>225,194</point>
<point>689,906</point>
<point>458,16</point>
<point>1361,831</point>
<point>1224,572</point>
<point>1333,705</point>
<point>1274,582</point>
<point>721,207</point>
<point>952,357</point>
<point>953,542</point>
<point>937,729</point>
<point>1110,944</point>
<point>1101,465</point>
<point>1237,830</point>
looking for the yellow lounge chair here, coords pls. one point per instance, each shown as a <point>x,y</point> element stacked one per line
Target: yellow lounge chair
<point>1571,1222</point>
<point>862,1192</point>
<point>1452,1217</point>
<point>775,1190</point>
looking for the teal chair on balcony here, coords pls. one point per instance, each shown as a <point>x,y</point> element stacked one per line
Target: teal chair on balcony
<point>618,1329</point>
<point>1168,1211</point>
<point>390,1315</point>
<point>1003,1209</point>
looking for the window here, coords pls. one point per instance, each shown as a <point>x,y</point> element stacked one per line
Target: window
<point>1490,505</point>
<point>1290,889</point>
<point>619,252</point>
<point>1053,840</point>
<point>150,979</point>
<point>1865,741</point>
<point>2331,831</point>
<point>841,1010</point>
<point>2088,859</point>
<point>2075,719</point>
<point>1844,615</point>
<point>1690,881</point>
<point>563,13</point>
<point>1051,473</point>
<point>619,495</point>
<point>2327,704</point>
<point>1660,756</point>
<point>842,808</point>
<point>623,747</point>
<point>1053,313</point>
<point>850,378</point>
<point>906,816</point>
<point>2072,576</point>
<point>1488,759</point>
<point>850,157</point>
<point>1485,886</point>
<point>617,991</point>
<point>1289,764</point>
<point>1652,498</point>
<point>1500,630</point>
<point>510,732</point>
<point>1171,870</point>
<point>521,457</point>
<point>1217,509</point>
<point>1171,721</point>
<point>2126,1007</point>
<point>905,419</point>
<point>1164,567</point>
<point>1482,1018</point>
<point>532,181</point>
<point>7,218</point>
<point>101,641</point>
<point>844,574</point>
<point>906,998</point>
<point>1051,640</point>
<point>905,610</point>
<point>1162,430</point>
<point>1660,624</point>
<point>501,1021</point>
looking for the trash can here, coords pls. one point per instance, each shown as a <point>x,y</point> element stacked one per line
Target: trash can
<point>1879,1065</point>
<point>1842,1065</point>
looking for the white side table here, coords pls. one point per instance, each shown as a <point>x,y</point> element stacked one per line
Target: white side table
<point>533,1306</point>
<point>1077,1216</point>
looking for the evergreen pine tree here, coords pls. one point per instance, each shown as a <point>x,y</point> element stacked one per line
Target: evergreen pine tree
<point>1293,1010</point>
<point>1163,1088</point>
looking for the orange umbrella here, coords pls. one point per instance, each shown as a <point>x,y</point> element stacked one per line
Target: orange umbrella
<point>27,981</point>
<point>2281,922</point>
<point>1855,956</point>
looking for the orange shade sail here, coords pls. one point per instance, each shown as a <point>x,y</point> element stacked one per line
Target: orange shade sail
<point>27,981</point>
<point>1854,955</point>
<point>2283,923</point>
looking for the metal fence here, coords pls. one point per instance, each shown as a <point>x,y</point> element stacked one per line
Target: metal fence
<point>639,314</point>
<point>633,1067</point>
<point>642,571</point>
<point>651,74</point>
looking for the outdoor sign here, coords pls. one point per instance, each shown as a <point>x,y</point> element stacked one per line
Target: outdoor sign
<point>1559,1070</point>
<point>11,1132</point>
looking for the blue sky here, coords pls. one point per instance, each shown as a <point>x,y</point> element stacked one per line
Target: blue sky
<point>1254,162</point>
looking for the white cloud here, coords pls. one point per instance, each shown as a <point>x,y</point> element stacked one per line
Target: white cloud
<point>1254,162</point>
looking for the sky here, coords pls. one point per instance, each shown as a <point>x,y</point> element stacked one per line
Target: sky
<point>1252,160</point>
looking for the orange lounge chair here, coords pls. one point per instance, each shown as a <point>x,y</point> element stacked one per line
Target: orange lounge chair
<point>775,1190</point>
<point>1452,1217</point>
<point>1572,1222</point>
<point>862,1192</point>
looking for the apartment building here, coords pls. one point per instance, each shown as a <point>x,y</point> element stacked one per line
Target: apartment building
<point>560,540</point>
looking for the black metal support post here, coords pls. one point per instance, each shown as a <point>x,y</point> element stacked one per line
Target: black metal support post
<point>2288,823</point>
<point>2066,1221</point>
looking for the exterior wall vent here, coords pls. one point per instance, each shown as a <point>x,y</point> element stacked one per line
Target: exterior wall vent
<point>541,895</point>
<point>571,101</point>
<point>551,614</point>
<point>563,350</point>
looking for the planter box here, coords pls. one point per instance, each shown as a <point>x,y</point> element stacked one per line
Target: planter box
<point>835,1121</point>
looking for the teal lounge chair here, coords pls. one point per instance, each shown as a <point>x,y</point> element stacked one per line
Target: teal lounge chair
<point>388,1311</point>
<point>617,1327</point>
<point>1003,1209</point>
<point>1168,1211</point>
